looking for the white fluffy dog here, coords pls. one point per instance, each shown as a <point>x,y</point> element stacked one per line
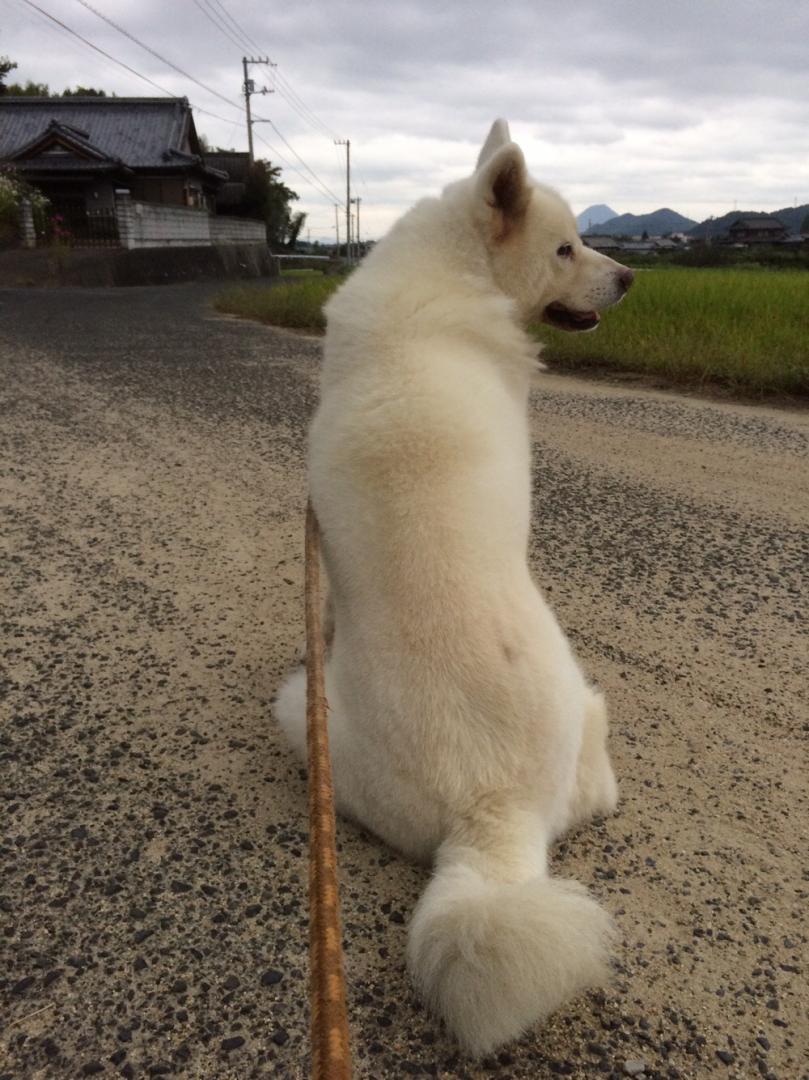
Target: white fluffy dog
<point>462,728</point>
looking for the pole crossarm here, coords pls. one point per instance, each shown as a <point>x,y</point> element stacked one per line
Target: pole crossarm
<point>247,87</point>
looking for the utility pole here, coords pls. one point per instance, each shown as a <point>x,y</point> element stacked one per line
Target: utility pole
<point>249,88</point>
<point>347,144</point>
<point>337,227</point>
<point>358,200</point>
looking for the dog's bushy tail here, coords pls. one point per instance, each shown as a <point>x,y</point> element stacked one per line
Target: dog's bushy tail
<point>492,958</point>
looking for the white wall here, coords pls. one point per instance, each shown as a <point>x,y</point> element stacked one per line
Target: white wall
<point>152,225</point>
<point>233,230</point>
<point>155,225</point>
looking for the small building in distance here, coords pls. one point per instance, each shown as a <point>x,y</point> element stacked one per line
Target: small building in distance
<point>757,230</point>
<point>602,243</point>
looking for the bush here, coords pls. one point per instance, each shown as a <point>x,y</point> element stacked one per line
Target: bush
<point>13,191</point>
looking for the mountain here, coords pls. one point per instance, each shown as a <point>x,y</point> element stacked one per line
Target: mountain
<point>593,216</point>
<point>657,224</point>
<point>792,217</point>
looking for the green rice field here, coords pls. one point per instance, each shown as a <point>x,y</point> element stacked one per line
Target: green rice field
<point>747,329</point>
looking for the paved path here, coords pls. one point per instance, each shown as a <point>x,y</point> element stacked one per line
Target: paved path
<point>152,892</point>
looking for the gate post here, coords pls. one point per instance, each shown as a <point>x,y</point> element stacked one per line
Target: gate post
<point>28,233</point>
<point>125,217</point>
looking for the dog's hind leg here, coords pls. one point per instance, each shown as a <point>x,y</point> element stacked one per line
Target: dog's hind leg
<point>495,945</point>
<point>596,791</point>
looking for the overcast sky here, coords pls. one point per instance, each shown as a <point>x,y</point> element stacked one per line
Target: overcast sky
<point>693,104</point>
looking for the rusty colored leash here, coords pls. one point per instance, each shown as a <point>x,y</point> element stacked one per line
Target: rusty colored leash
<point>331,1057</point>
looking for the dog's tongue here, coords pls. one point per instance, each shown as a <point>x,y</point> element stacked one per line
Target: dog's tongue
<point>565,318</point>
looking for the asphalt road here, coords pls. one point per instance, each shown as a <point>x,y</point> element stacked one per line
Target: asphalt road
<point>153,867</point>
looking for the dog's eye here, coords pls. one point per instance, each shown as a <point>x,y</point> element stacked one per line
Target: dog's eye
<point>565,251</point>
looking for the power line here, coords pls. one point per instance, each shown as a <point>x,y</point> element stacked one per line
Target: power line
<point>122,30</point>
<point>76,34</point>
<point>153,52</point>
<point>115,60</point>
<point>324,191</point>
<point>318,184</point>
<point>219,25</point>
<point>296,102</point>
<point>228,25</point>
<point>250,44</point>
<point>300,159</point>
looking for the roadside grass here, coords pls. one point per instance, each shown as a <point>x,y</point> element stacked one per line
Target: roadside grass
<point>297,303</point>
<point>748,329</point>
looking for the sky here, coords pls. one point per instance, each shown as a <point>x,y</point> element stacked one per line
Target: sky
<point>697,105</point>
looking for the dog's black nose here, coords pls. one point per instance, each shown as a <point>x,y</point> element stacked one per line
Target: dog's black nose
<point>626,277</point>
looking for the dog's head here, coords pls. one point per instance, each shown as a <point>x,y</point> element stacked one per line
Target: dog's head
<point>534,248</point>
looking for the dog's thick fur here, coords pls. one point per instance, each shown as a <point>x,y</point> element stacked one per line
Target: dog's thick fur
<point>462,729</point>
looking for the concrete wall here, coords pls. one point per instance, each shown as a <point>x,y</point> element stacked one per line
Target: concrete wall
<point>155,225</point>
<point>235,230</point>
<point>169,226</point>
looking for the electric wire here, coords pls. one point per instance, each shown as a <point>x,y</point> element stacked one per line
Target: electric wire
<point>153,52</point>
<point>250,44</point>
<point>316,181</point>
<point>219,26</point>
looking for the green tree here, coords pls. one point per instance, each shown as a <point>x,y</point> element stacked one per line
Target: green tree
<point>267,198</point>
<point>294,226</point>
<point>30,89</point>
<point>6,66</point>
<point>83,91</point>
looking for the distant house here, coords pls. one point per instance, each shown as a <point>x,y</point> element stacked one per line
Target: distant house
<point>757,230</point>
<point>602,243</point>
<point>638,247</point>
<point>78,150</point>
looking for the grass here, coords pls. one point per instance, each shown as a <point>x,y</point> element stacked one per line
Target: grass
<point>748,329</point>
<point>298,303</point>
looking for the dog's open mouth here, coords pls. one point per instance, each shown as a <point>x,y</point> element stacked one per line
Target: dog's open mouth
<point>564,319</point>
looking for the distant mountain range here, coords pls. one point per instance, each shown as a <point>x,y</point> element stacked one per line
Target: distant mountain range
<point>656,224</point>
<point>792,216</point>
<point>666,221</point>
<point>594,215</point>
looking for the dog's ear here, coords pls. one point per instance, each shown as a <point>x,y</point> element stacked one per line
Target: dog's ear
<point>503,190</point>
<point>497,137</point>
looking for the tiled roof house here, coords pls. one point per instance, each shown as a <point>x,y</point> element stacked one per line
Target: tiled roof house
<point>78,150</point>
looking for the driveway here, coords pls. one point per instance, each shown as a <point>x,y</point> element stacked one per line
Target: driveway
<point>153,909</point>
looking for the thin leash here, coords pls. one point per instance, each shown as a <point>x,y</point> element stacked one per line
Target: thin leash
<point>331,1055</point>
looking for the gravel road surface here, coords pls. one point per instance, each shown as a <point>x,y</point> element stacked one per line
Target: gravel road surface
<point>153,867</point>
